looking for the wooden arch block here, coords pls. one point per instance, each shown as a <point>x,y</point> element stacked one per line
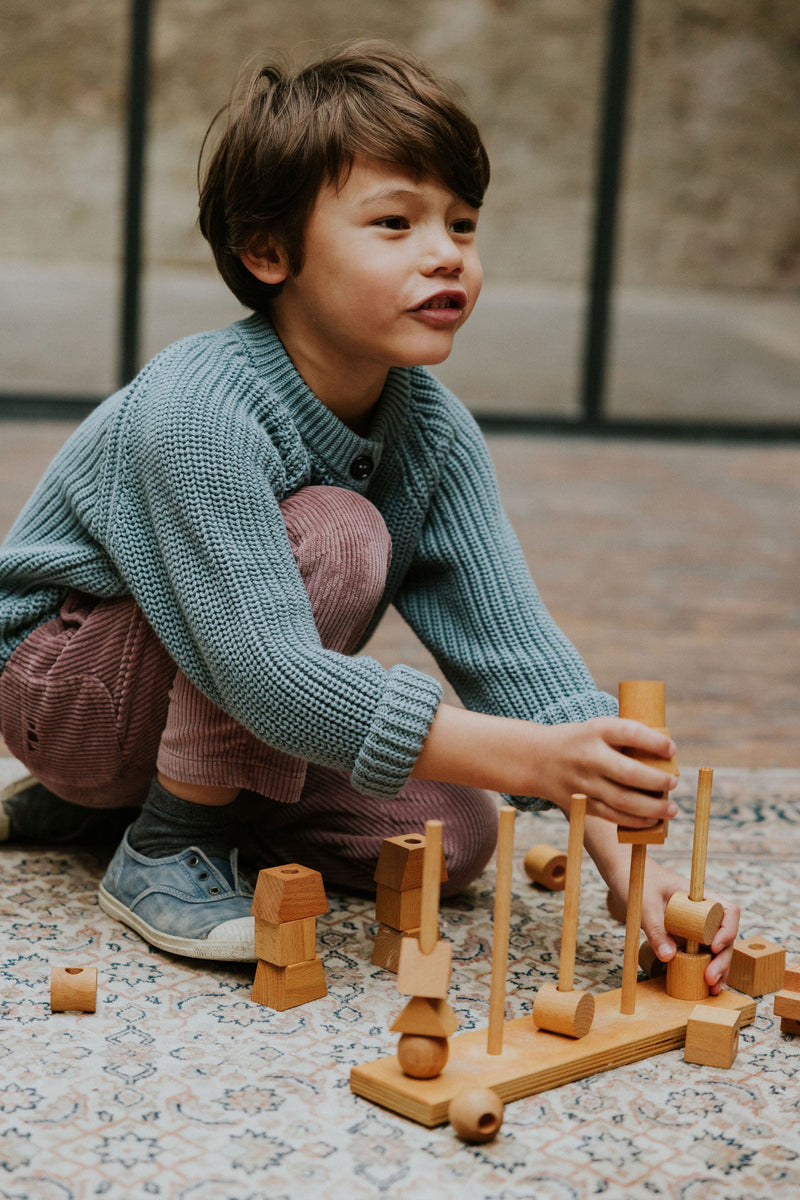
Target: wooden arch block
<point>288,893</point>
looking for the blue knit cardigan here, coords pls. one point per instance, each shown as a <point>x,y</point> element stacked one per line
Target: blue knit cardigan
<point>169,492</point>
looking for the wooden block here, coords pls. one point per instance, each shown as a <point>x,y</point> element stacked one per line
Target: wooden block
<point>791,978</point>
<point>788,1025</point>
<point>695,920</point>
<point>654,835</point>
<point>534,1060</point>
<point>421,974</point>
<point>400,862</point>
<point>288,893</point>
<point>287,987</point>
<point>546,866</point>
<point>73,989</point>
<point>568,1013</point>
<point>429,1018</point>
<point>787,1004</point>
<point>400,909</point>
<point>712,1036</point>
<point>476,1114</point>
<point>289,942</point>
<point>386,951</point>
<point>650,963</point>
<point>757,966</point>
<point>685,978</point>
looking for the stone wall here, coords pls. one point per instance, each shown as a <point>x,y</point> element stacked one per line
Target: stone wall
<point>712,193</point>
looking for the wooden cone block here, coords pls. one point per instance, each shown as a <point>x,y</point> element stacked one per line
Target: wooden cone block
<point>686,976</point>
<point>73,989</point>
<point>426,975</point>
<point>287,987</point>
<point>569,1013</point>
<point>695,920</point>
<point>428,1018</point>
<point>757,966</point>
<point>288,893</point>
<point>712,1036</point>
<point>546,866</point>
<point>289,942</point>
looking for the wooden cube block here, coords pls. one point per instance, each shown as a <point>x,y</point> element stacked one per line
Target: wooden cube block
<point>287,987</point>
<point>386,951</point>
<point>712,1036</point>
<point>424,974</point>
<point>400,909</point>
<point>757,966</point>
<point>426,1018</point>
<point>289,942</point>
<point>787,1004</point>
<point>791,978</point>
<point>289,893</point>
<point>400,862</point>
<point>788,1025</point>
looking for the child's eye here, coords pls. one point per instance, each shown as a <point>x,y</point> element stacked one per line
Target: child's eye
<point>465,225</point>
<point>393,223</point>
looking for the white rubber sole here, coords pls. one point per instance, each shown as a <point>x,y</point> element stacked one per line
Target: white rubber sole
<point>235,942</point>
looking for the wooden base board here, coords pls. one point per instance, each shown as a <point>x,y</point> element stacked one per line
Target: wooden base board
<point>533,1060</point>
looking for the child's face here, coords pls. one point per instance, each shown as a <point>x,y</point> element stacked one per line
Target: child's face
<point>391,271</point>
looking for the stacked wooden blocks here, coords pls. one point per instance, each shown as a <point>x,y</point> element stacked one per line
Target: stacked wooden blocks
<point>399,895</point>
<point>286,904</point>
<point>787,1000</point>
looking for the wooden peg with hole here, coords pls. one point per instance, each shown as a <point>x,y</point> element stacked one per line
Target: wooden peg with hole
<point>73,989</point>
<point>546,866</point>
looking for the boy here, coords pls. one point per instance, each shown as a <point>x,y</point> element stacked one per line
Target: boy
<point>183,596</point>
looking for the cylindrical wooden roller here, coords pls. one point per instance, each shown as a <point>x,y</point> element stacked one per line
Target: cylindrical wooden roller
<point>643,700</point>
<point>686,976</point>
<point>695,920</point>
<point>570,1013</point>
<point>546,866</point>
<point>73,989</point>
<point>650,963</point>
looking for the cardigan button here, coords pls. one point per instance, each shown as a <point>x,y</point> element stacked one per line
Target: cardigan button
<point>361,467</point>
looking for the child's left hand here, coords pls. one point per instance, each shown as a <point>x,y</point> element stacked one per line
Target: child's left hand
<point>659,884</point>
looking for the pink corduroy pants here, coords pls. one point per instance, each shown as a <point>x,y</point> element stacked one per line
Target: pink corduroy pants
<point>93,705</point>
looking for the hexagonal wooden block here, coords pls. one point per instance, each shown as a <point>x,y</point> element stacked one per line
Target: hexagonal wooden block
<point>288,893</point>
<point>712,1036</point>
<point>757,966</point>
<point>288,942</point>
<point>400,862</point>
<point>287,987</point>
<point>787,1004</point>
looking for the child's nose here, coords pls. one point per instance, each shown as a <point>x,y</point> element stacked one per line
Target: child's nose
<point>443,254</point>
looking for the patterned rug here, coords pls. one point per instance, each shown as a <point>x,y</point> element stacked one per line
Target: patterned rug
<point>180,1088</point>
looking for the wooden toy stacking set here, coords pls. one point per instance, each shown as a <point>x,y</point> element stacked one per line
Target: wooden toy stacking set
<point>570,1034</point>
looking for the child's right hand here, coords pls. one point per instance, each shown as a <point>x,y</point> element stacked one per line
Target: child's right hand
<point>588,757</point>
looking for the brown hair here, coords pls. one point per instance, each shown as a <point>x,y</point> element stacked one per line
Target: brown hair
<point>292,133</point>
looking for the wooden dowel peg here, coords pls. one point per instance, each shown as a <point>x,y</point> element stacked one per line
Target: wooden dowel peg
<point>500,930</point>
<point>630,962</point>
<point>431,887</point>
<point>702,815</point>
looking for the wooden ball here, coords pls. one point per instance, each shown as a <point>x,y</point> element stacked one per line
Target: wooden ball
<point>422,1057</point>
<point>476,1114</point>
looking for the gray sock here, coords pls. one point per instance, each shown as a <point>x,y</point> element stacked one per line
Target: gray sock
<point>168,825</point>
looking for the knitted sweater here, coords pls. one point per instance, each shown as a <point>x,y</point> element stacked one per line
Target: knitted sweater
<point>169,492</point>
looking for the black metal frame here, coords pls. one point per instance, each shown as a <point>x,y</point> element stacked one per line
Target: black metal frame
<point>592,419</point>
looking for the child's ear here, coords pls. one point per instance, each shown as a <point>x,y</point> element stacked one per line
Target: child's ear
<point>270,266</point>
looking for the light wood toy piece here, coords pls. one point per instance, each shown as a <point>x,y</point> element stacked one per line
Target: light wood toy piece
<point>564,1009</point>
<point>546,866</point>
<point>476,1114</point>
<point>640,700</point>
<point>286,903</point>
<point>787,1000</point>
<point>73,989</point>
<point>757,966</point>
<point>712,1036</point>
<point>650,963</point>
<point>689,915</point>
<point>500,930</point>
<point>398,877</point>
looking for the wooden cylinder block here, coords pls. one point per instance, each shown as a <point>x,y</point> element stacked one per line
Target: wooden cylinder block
<point>476,1114</point>
<point>695,920</point>
<point>569,1013</point>
<point>546,866</point>
<point>73,989</point>
<point>650,963</point>
<point>422,1057</point>
<point>643,700</point>
<point>685,976</point>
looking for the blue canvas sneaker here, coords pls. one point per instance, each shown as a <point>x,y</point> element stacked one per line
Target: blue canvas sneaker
<point>187,904</point>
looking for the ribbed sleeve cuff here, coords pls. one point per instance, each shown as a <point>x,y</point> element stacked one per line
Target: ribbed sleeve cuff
<point>399,727</point>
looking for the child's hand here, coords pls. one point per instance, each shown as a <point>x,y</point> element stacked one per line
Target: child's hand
<point>588,758</point>
<point>659,884</point>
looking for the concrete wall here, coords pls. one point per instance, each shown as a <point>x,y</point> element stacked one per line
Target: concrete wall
<point>713,172</point>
